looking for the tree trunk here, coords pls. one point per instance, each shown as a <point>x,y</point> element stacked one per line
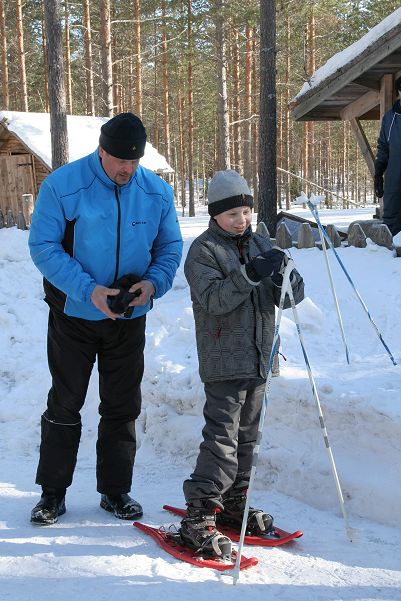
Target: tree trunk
<point>311,69</point>
<point>116,68</point>
<point>254,126</point>
<point>67,59</point>
<point>222,111</point>
<point>248,106</point>
<point>45,63</point>
<point>287,121</point>
<point>107,73</point>
<point>191,211</point>
<point>90,95</point>
<point>58,114</point>
<point>4,61</point>
<point>267,210</point>
<point>138,58</point>
<point>279,150</point>
<point>182,150</point>
<point>166,111</point>
<point>21,56</point>
<point>155,87</point>
<point>236,129</point>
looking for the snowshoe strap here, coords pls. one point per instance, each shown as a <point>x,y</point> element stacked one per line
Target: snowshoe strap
<point>257,518</point>
<point>220,544</point>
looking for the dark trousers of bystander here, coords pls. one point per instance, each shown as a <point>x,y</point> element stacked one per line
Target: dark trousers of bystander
<point>73,345</point>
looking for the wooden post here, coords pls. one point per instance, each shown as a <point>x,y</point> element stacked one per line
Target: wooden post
<point>10,221</point>
<point>21,223</point>
<point>283,236</point>
<point>386,94</point>
<point>305,236</point>
<point>27,207</point>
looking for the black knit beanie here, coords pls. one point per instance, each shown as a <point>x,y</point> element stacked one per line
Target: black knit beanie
<point>123,136</point>
<point>397,85</point>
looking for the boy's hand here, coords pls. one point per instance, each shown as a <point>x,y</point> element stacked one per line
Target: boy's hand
<point>267,264</point>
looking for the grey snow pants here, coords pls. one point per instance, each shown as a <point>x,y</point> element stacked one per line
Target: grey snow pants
<point>232,412</point>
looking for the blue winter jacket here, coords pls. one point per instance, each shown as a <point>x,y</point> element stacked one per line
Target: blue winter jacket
<point>87,230</point>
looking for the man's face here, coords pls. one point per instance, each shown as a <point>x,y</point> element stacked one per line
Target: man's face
<point>119,171</point>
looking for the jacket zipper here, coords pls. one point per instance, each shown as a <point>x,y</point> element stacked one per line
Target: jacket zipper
<point>118,233</point>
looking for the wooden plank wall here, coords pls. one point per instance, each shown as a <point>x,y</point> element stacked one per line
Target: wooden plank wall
<point>20,172</point>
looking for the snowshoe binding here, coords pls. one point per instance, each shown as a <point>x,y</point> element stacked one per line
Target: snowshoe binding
<point>198,531</point>
<point>258,522</point>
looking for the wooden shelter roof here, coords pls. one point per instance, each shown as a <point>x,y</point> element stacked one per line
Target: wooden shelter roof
<point>349,83</point>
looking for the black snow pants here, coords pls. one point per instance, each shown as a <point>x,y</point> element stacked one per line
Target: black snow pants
<point>232,413</point>
<point>72,347</point>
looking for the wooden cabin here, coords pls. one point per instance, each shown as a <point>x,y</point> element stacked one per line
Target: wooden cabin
<point>25,152</point>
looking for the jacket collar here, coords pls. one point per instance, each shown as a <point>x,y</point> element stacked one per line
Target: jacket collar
<point>397,107</point>
<point>214,227</point>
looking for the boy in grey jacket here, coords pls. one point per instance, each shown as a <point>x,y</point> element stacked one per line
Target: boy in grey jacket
<point>235,279</point>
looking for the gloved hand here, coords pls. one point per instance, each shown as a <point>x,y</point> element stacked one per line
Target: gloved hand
<point>267,264</point>
<point>379,185</point>
<point>378,179</point>
<point>119,303</point>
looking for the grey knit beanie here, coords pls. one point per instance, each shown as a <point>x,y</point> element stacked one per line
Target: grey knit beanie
<point>228,190</point>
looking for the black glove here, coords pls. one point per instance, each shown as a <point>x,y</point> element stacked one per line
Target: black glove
<point>119,303</point>
<point>378,179</point>
<point>267,264</point>
<point>379,186</point>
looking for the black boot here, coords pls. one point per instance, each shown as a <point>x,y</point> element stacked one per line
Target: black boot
<point>232,515</point>
<point>50,506</point>
<point>198,530</point>
<point>122,505</point>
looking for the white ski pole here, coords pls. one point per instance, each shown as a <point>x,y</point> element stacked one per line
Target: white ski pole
<point>285,285</point>
<point>315,213</point>
<point>340,321</point>
<point>321,418</point>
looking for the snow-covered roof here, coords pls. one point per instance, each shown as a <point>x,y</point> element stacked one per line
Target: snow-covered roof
<point>349,74</point>
<point>351,53</point>
<point>33,129</point>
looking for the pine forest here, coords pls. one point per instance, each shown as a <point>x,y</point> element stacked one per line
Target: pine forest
<point>191,70</point>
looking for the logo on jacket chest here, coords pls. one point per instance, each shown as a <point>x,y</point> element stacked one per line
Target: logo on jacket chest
<point>134,223</point>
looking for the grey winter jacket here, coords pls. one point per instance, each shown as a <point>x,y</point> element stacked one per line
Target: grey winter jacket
<point>234,318</point>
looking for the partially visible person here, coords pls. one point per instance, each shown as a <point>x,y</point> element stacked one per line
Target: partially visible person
<point>106,238</point>
<point>388,164</point>
<point>235,279</point>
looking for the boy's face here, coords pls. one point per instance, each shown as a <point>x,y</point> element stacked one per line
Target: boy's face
<point>235,220</point>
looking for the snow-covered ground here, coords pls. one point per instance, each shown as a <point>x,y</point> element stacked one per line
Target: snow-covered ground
<point>94,557</point>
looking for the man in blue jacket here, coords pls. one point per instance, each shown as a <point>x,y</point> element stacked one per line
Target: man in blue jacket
<point>105,236</point>
<point>388,162</point>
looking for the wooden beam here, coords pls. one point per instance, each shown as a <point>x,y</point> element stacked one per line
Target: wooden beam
<point>340,79</point>
<point>386,94</point>
<point>363,144</point>
<point>361,105</point>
